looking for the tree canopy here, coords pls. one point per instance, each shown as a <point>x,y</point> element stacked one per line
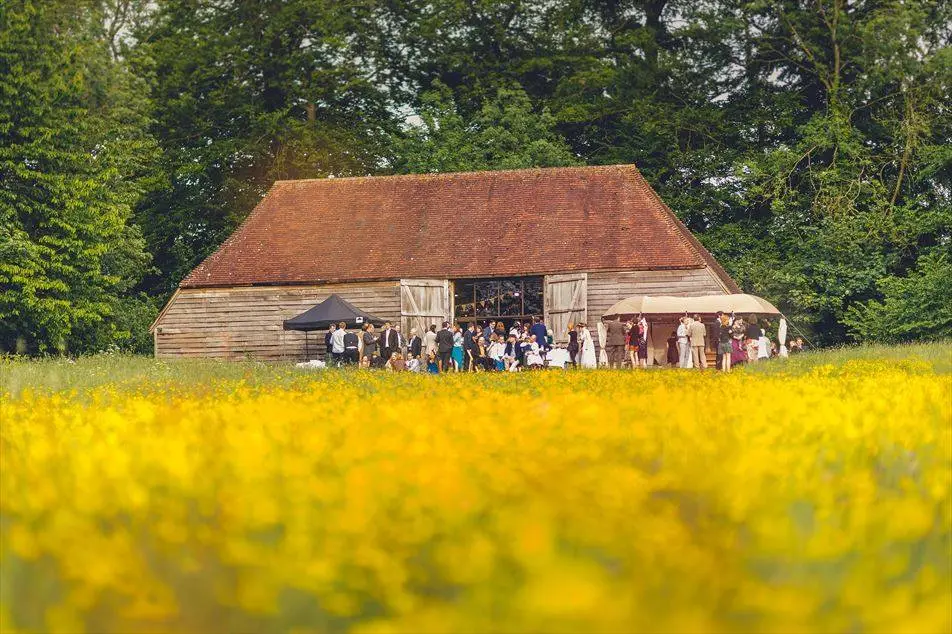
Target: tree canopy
<point>807,143</point>
<point>76,157</point>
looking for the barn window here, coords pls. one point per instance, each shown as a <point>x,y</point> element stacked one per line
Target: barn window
<point>508,299</point>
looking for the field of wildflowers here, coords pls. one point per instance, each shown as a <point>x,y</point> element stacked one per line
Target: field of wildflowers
<point>203,498</point>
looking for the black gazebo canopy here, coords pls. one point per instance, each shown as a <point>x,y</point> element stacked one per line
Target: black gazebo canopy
<point>332,310</point>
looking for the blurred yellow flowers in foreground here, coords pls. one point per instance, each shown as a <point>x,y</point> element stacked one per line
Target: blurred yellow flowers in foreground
<point>540,502</point>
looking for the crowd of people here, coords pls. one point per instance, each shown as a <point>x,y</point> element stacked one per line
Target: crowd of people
<point>488,347</point>
<point>736,341</point>
<point>493,347</point>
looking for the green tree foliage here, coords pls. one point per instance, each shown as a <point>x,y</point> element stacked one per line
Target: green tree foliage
<point>75,156</point>
<point>640,81</point>
<point>808,143</point>
<point>805,141</point>
<point>852,184</point>
<point>918,306</point>
<point>248,92</point>
<point>504,134</point>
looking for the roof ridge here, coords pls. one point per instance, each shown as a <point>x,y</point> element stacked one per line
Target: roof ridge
<point>439,175</point>
<point>386,227</point>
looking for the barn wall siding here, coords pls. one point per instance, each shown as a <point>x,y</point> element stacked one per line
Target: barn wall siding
<point>606,289</point>
<point>246,322</point>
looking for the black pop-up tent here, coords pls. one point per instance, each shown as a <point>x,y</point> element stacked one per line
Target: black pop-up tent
<point>332,310</point>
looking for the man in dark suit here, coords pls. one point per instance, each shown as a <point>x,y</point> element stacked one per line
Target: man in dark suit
<point>401,342</point>
<point>444,348</point>
<point>328,336</point>
<point>388,342</point>
<point>415,348</point>
<point>538,329</point>
<point>716,337</point>
<point>488,330</point>
<point>468,344</point>
<point>615,342</point>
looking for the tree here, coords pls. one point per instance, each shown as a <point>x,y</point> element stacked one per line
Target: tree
<point>248,92</point>
<point>504,134</point>
<point>75,157</point>
<point>850,191</point>
<point>918,306</point>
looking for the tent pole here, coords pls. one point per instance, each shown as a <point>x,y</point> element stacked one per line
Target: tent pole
<point>307,355</point>
<point>800,332</point>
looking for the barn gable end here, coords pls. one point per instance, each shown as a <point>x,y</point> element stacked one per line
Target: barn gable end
<point>581,238</point>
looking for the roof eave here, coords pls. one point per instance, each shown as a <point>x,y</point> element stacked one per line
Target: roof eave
<point>191,286</point>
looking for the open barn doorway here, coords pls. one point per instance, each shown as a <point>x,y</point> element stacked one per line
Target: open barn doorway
<point>508,300</point>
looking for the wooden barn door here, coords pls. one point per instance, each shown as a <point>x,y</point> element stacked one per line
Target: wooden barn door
<point>424,302</point>
<point>566,301</point>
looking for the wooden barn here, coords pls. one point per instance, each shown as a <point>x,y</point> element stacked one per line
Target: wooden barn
<point>565,243</point>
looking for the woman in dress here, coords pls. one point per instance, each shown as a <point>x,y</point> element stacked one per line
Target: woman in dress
<point>533,353</point>
<point>641,327</point>
<point>396,363</point>
<point>724,343</point>
<point>482,360</point>
<point>763,346</point>
<point>752,335</point>
<point>458,348</point>
<point>738,349</point>
<point>631,342</point>
<point>674,355</point>
<point>586,347</point>
<point>573,343</point>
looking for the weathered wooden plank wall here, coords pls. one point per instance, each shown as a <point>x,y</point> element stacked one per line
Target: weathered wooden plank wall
<point>246,322</point>
<point>605,289</point>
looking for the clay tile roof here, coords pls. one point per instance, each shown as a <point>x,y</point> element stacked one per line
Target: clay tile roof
<point>471,224</point>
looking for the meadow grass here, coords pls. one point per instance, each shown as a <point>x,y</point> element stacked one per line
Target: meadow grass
<point>136,371</point>
<point>937,355</point>
<point>812,495</point>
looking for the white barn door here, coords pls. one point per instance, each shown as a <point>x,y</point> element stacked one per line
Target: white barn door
<point>566,301</point>
<point>424,302</point>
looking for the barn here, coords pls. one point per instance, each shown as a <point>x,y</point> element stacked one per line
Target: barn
<point>565,243</point>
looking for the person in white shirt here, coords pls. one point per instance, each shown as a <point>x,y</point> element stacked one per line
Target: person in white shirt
<point>496,351</point>
<point>586,350</point>
<point>337,343</point>
<point>684,346</point>
<point>763,346</point>
<point>533,356</point>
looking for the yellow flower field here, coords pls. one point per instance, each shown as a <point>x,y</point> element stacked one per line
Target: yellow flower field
<point>604,501</point>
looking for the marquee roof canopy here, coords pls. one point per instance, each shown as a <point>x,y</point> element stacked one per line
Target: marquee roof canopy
<point>332,310</point>
<point>705,304</point>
